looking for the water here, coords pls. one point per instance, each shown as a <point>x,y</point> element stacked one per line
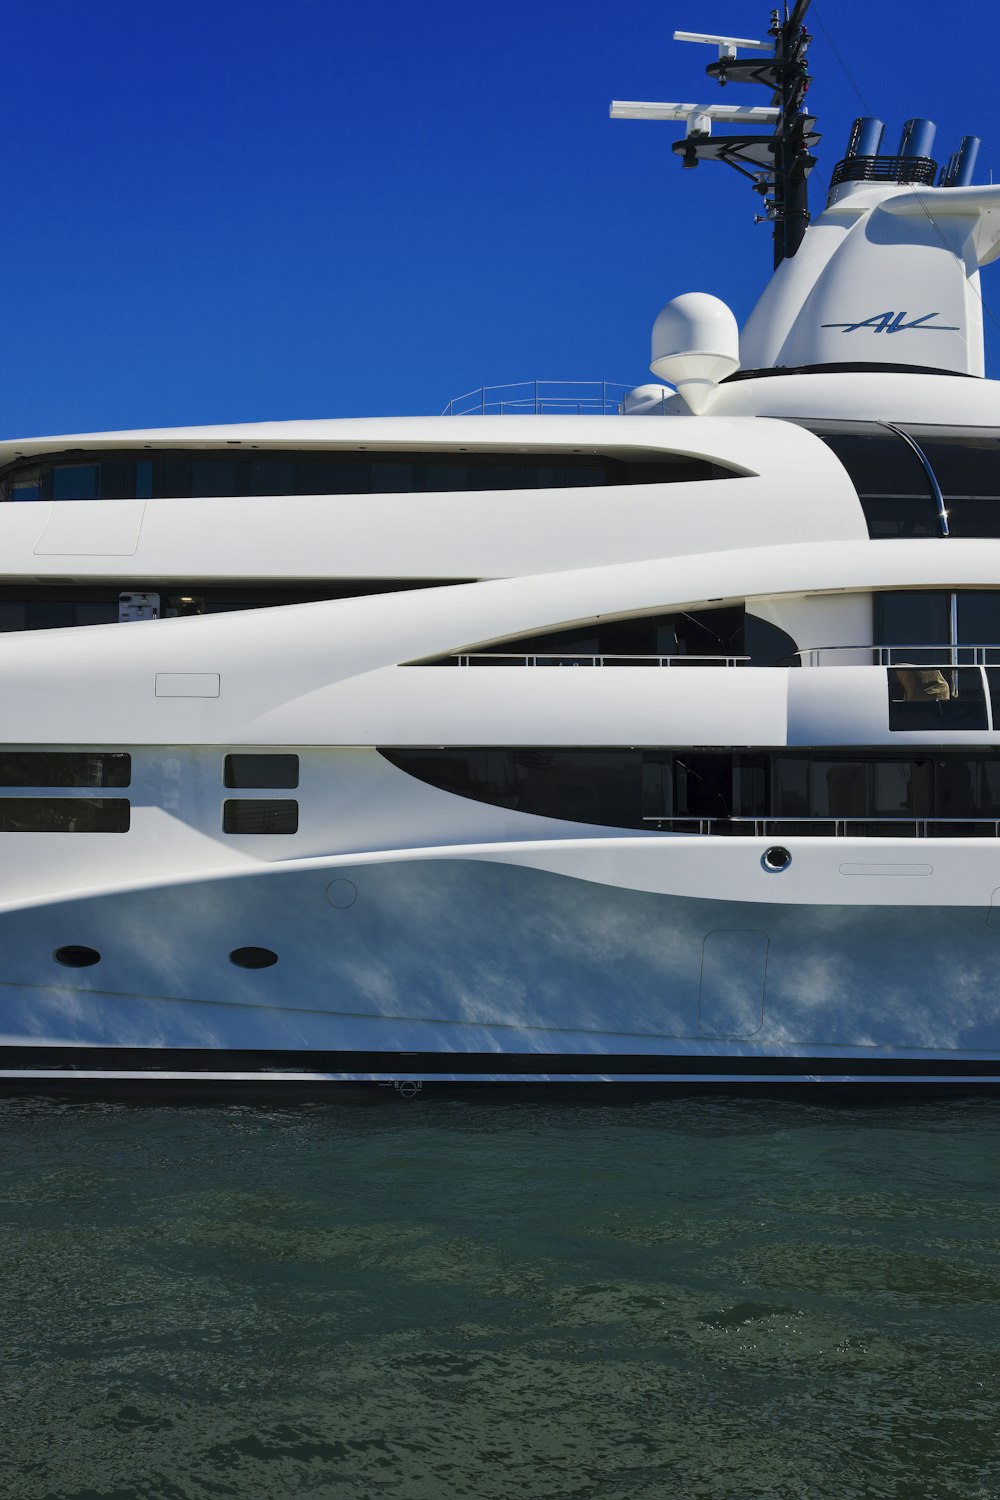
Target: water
<point>703,1297</point>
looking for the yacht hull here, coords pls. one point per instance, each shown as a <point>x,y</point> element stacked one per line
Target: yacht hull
<point>445,969</point>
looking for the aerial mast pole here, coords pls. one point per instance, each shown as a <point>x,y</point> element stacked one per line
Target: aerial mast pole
<point>791,151</point>
<point>778,165</point>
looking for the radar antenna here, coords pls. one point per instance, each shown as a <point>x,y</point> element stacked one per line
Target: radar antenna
<point>778,164</point>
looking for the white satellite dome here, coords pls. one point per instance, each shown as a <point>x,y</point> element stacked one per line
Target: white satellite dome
<point>696,344</point>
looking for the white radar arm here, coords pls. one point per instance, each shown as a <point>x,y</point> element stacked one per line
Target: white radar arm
<point>727,45</point>
<point>698,117</point>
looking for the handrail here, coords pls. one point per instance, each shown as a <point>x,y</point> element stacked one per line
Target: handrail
<point>883,656</point>
<point>842,827</point>
<point>540,397</point>
<point>577,659</point>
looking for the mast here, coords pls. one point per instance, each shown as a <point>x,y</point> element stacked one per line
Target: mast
<point>792,161</point>
<point>778,164</point>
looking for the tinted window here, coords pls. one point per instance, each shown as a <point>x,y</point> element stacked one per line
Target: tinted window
<point>912,617</point>
<point>172,474</point>
<point>262,770</point>
<point>940,698</point>
<point>966,464</point>
<point>865,792</point>
<point>63,815</point>
<point>76,482</point>
<point>891,482</point>
<point>979,616</point>
<point>723,632</point>
<point>64,768</point>
<point>259,816</point>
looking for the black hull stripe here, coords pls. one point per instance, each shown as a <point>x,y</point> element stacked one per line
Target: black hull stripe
<point>151,1061</point>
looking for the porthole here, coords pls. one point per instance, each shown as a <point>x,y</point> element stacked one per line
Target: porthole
<point>253,958</point>
<point>76,956</point>
<point>776,858</point>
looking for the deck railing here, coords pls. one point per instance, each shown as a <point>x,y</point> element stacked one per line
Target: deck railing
<point>888,827</point>
<point>918,655</point>
<point>543,398</point>
<point>576,659</point>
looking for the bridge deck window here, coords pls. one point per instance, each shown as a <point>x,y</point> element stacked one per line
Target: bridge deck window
<point>123,475</point>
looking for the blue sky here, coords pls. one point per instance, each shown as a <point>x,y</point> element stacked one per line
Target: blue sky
<point>221,212</point>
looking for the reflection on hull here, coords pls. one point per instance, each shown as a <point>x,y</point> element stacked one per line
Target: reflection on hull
<point>472,970</point>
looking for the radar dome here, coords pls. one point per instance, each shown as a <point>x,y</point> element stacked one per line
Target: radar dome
<point>695,345</point>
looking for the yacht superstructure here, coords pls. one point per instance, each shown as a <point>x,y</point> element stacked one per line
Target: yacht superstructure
<point>652,739</point>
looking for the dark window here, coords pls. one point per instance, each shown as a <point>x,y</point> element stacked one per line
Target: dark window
<point>979,619</point>
<point>64,768</point>
<point>913,617</point>
<point>939,618</point>
<point>12,616</point>
<point>76,481</point>
<point>891,482</point>
<point>63,815</point>
<point>262,770</point>
<point>966,464</point>
<point>726,632</point>
<point>96,614</point>
<point>50,614</point>
<point>940,698</point>
<point>272,476</point>
<point>50,606</point>
<point>26,486</point>
<point>260,816</point>
<point>863,792</point>
<point>124,474</point>
<point>216,476</point>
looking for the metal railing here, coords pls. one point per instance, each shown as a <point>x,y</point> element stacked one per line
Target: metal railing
<point>922,655</point>
<point>901,169</point>
<point>886,827</point>
<point>574,659</point>
<point>543,398</point>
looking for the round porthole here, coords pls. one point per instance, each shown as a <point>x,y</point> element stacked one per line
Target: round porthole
<point>342,893</point>
<point>75,956</point>
<point>776,858</point>
<point>253,958</point>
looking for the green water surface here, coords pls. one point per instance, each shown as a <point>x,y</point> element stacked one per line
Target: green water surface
<point>725,1298</point>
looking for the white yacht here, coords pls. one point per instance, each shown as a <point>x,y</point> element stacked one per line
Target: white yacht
<point>566,737</point>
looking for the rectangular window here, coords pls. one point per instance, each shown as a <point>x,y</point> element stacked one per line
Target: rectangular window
<point>76,482</point>
<point>260,816</point>
<point>394,476</point>
<point>97,614</point>
<point>262,770</point>
<point>12,616</point>
<point>913,617</point>
<point>213,476</point>
<point>979,618</point>
<point>64,815</point>
<point>144,479</point>
<point>902,788</point>
<point>50,614</point>
<point>64,768</point>
<point>938,698</point>
<point>333,476</point>
<point>272,476</point>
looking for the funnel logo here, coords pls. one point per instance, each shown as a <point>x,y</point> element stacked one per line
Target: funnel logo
<point>895,322</point>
